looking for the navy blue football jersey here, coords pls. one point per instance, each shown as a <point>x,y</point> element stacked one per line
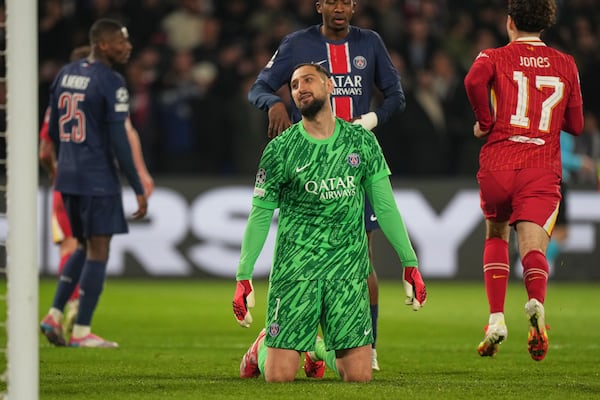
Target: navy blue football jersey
<point>358,63</point>
<point>84,99</point>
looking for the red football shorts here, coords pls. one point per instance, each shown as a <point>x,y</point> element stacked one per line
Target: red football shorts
<point>61,228</point>
<point>531,194</point>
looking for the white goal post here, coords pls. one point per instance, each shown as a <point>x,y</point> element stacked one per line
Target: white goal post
<point>21,197</point>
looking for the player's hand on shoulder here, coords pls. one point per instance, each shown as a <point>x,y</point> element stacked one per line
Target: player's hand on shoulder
<point>142,202</point>
<point>279,119</point>
<point>414,287</point>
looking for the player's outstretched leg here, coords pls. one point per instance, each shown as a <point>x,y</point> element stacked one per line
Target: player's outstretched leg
<point>537,341</point>
<point>495,333</point>
<point>313,366</point>
<point>249,364</point>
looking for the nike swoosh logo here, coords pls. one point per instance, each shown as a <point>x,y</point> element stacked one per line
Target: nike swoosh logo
<point>535,277</point>
<point>320,62</point>
<point>302,168</point>
<point>373,218</point>
<point>494,276</point>
<point>367,331</point>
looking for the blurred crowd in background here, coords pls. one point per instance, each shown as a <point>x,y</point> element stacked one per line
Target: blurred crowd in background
<point>194,60</point>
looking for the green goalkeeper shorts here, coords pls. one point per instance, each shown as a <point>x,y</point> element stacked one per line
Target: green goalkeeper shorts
<point>296,308</point>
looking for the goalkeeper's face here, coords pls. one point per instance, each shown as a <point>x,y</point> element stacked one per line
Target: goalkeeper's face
<point>310,90</point>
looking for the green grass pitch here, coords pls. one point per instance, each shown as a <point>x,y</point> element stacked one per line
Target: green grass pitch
<point>179,340</point>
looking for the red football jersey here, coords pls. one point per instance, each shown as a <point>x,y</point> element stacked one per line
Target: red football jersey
<point>525,92</point>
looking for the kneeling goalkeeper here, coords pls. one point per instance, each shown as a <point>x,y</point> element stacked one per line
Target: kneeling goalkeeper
<point>317,173</point>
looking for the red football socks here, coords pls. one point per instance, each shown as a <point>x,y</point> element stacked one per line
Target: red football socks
<point>496,271</point>
<point>535,275</point>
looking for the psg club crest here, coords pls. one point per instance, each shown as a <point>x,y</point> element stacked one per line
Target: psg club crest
<point>274,329</point>
<point>360,62</point>
<point>353,159</point>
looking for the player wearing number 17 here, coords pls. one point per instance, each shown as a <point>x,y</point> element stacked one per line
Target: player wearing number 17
<point>535,93</point>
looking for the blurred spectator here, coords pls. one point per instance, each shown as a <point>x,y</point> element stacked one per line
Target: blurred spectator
<point>177,94</point>
<point>390,21</point>
<point>419,45</point>
<point>210,46</point>
<point>248,132</point>
<point>270,22</point>
<point>143,21</point>
<point>56,36</point>
<point>184,25</point>
<point>436,16</point>
<point>142,74</point>
<point>586,51</point>
<point>233,15</point>
<point>305,13</point>
<point>89,11</point>
<point>55,33</point>
<point>448,86</point>
<point>457,40</point>
<point>266,14</point>
<point>483,38</point>
<point>418,136</point>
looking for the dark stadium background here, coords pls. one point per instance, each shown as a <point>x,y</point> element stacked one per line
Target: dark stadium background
<point>191,67</point>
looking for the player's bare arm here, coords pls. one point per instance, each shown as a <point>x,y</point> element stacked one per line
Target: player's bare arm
<point>138,158</point>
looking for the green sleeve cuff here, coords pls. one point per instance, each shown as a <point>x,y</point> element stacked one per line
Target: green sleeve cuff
<point>269,205</point>
<point>255,235</point>
<point>381,196</point>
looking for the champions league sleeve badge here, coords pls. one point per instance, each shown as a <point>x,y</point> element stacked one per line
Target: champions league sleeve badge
<point>122,97</point>
<point>261,177</point>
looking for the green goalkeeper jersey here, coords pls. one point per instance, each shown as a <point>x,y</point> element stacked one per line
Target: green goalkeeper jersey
<point>318,186</point>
